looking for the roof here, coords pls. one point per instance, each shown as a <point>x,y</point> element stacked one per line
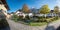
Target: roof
<point>52,11</point>
<point>19,10</point>
<point>5,3</point>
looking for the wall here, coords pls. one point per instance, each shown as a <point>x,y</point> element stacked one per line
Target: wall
<point>4,10</point>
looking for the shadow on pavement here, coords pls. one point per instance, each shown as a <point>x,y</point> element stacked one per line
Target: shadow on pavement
<point>49,27</point>
<point>58,28</point>
<point>4,25</point>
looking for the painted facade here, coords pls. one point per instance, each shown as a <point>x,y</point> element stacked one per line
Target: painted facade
<point>4,7</point>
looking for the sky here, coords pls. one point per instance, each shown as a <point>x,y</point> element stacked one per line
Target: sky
<point>14,5</point>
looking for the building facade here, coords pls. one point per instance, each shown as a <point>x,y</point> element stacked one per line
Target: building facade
<point>3,7</point>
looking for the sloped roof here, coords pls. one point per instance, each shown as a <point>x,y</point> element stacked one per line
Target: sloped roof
<point>52,11</point>
<point>5,3</point>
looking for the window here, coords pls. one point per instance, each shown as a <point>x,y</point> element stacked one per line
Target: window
<point>0,10</point>
<point>5,12</point>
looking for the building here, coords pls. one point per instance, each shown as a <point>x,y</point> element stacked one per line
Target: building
<point>34,10</point>
<point>3,7</point>
<point>20,13</point>
<point>51,13</point>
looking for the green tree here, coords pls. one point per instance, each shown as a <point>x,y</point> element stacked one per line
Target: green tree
<point>15,17</point>
<point>44,10</point>
<point>56,10</point>
<point>25,9</point>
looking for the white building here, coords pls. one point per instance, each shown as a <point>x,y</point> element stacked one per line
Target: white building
<point>3,7</point>
<point>30,14</point>
<point>20,13</point>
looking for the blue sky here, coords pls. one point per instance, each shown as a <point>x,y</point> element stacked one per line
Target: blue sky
<point>14,5</point>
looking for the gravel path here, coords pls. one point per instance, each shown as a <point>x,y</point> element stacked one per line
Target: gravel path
<point>18,26</point>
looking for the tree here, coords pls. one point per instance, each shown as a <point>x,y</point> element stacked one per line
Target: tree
<point>56,10</point>
<point>25,9</point>
<point>44,10</point>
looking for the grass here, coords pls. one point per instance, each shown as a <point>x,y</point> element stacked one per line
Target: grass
<point>37,23</point>
<point>56,20</point>
<point>42,21</point>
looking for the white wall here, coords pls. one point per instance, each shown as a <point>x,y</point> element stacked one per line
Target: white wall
<point>3,9</point>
